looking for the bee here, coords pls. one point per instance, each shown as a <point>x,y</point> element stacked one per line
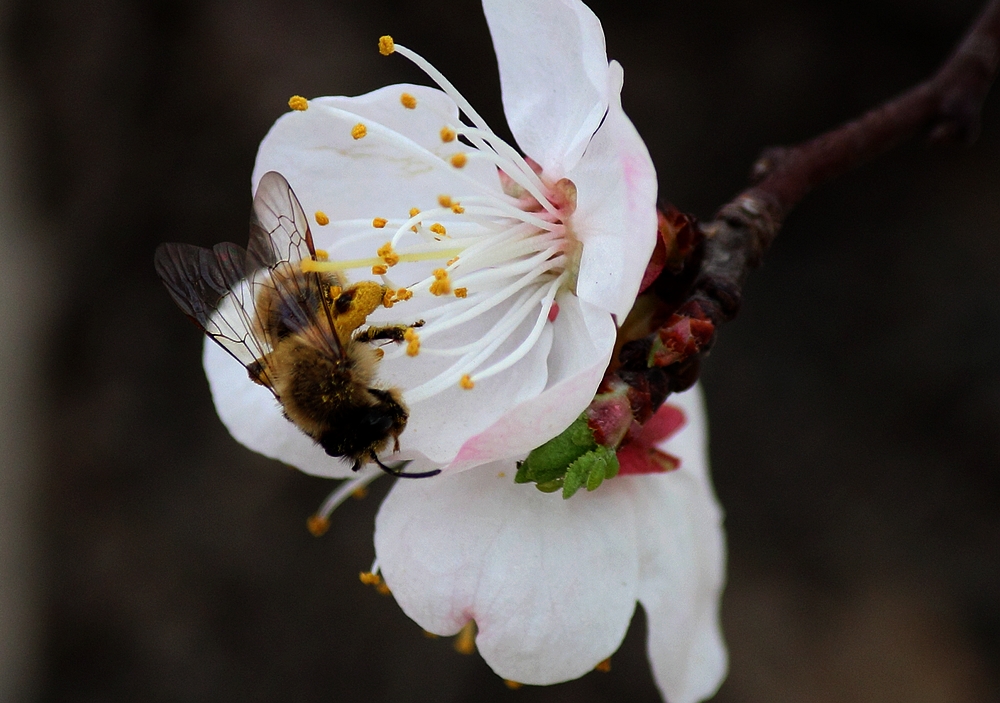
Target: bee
<point>297,332</point>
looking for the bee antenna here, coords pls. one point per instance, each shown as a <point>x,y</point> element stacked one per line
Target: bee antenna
<point>397,470</point>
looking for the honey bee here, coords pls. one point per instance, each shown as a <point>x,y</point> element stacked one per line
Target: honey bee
<point>298,333</point>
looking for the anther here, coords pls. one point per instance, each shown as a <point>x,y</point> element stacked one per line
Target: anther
<point>512,685</point>
<point>461,292</point>
<point>385,45</point>
<point>438,228</point>
<point>466,382</point>
<point>388,254</point>
<point>321,219</point>
<point>441,284</point>
<point>450,261</point>
<point>361,492</point>
<point>553,311</point>
<point>412,342</point>
<point>458,160</point>
<point>403,294</point>
<point>322,255</point>
<point>604,667</point>
<point>379,222</point>
<point>465,640</point>
<point>408,101</point>
<point>297,102</point>
<point>317,525</point>
<point>359,130</point>
<point>457,209</point>
<point>380,269</point>
<point>414,211</point>
<point>444,200</point>
<point>388,299</point>
<point>448,134</point>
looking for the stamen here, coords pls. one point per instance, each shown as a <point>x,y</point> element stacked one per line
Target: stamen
<point>380,269</point>
<point>412,340</point>
<point>441,284</point>
<point>379,222</point>
<point>408,101</point>
<point>438,228</point>
<point>465,640</point>
<point>461,292</point>
<point>297,102</point>
<point>310,266</point>
<point>321,219</point>
<point>466,382</point>
<point>403,294</point>
<point>458,159</point>
<point>388,254</point>
<point>320,522</point>
<point>448,134</point>
<point>444,200</point>
<point>512,685</point>
<point>358,131</point>
<point>457,209</point>
<point>385,45</point>
<point>604,667</point>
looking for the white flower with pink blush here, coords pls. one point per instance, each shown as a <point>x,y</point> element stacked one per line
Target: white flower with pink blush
<point>518,269</point>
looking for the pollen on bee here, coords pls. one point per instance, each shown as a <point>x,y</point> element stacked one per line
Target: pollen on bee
<point>412,340</point>
<point>461,292</point>
<point>359,130</point>
<point>388,254</point>
<point>458,160</point>
<point>321,219</point>
<point>466,382</point>
<point>457,209</point>
<point>444,200</point>
<point>380,269</point>
<point>408,101</point>
<point>385,45</point>
<point>441,284</point>
<point>335,292</point>
<point>297,102</point>
<point>438,228</point>
<point>403,294</point>
<point>317,525</point>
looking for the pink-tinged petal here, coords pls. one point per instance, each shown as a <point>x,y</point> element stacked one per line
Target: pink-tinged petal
<point>642,455</point>
<point>682,565</point>
<point>615,216</point>
<point>551,583</point>
<point>583,339</point>
<point>396,166</point>
<point>553,73</point>
<point>253,417</point>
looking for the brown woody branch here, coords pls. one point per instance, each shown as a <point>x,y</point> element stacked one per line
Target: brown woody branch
<point>719,255</point>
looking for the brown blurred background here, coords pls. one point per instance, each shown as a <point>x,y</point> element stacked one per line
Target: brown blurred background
<point>145,556</point>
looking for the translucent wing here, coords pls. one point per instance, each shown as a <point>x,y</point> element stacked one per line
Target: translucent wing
<point>247,300</point>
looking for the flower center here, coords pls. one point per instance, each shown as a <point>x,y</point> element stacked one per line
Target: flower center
<point>493,256</point>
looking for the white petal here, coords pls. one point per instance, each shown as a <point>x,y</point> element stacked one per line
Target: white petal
<point>253,417</point>
<point>584,337</point>
<point>553,73</point>
<point>682,564</point>
<point>393,168</point>
<point>616,210</point>
<point>551,583</point>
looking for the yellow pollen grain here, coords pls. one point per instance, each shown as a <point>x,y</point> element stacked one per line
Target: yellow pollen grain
<point>359,130</point>
<point>408,101</point>
<point>444,200</point>
<point>388,254</point>
<point>441,284</point>
<point>403,294</point>
<point>461,292</point>
<point>459,160</point>
<point>457,209</point>
<point>379,222</point>
<point>380,269</point>
<point>360,492</point>
<point>604,667</point>
<point>385,45</point>
<point>451,261</point>
<point>512,685</point>
<point>465,640</point>
<point>438,228</point>
<point>466,382</point>
<point>448,134</point>
<point>335,292</point>
<point>297,102</point>
<point>321,218</point>
<point>317,525</point>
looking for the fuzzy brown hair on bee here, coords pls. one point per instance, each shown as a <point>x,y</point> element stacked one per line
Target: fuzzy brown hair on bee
<point>297,332</point>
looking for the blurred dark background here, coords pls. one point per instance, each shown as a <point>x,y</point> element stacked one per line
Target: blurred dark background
<point>855,403</point>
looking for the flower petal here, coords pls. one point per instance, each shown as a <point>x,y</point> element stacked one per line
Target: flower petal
<point>615,218</point>
<point>682,564</point>
<point>399,164</point>
<point>253,417</point>
<point>551,583</point>
<point>553,73</point>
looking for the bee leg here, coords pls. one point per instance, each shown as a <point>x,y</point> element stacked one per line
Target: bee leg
<point>397,471</point>
<point>391,333</point>
<point>357,465</point>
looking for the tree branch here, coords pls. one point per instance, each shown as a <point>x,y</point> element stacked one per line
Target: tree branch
<point>717,257</point>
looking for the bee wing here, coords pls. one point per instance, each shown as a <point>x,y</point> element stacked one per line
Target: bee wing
<point>210,286</point>
<point>280,235</point>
